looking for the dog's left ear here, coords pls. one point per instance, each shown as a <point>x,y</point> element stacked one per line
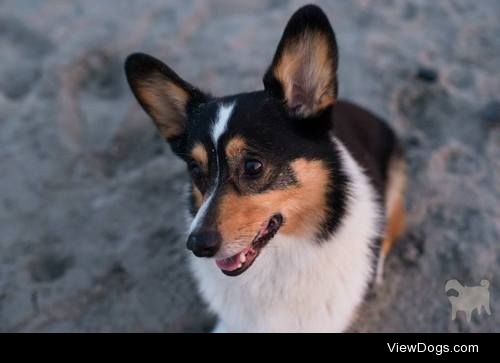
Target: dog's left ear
<point>164,95</point>
<point>303,72</point>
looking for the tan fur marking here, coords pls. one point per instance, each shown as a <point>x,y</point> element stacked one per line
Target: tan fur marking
<point>307,60</point>
<point>235,147</point>
<point>303,206</point>
<point>395,205</point>
<point>396,223</point>
<point>166,104</point>
<point>199,154</point>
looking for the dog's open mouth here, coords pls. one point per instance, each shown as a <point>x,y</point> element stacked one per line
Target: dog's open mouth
<point>239,263</point>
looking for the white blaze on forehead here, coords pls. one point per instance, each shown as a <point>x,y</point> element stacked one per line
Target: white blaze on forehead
<point>218,129</point>
<point>220,125</point>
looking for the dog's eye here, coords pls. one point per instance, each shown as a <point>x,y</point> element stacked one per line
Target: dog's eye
<point>252,167</point>
<point>198,175</point>
<point>194,169</point>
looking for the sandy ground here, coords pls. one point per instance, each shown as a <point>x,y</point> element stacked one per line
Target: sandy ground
<point>91,233</point>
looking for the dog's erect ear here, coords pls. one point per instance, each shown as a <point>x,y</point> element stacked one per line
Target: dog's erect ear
<point>303,70</point>
<point>162,93</point>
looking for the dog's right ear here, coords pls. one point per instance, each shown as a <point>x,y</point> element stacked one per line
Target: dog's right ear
<point>163,95</point>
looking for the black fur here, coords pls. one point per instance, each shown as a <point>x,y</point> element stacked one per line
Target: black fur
<point>370,140</point>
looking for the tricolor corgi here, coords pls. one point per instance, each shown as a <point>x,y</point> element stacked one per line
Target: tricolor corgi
<point>295,197</point>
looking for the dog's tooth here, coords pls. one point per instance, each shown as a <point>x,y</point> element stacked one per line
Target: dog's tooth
<point>243,258</point>
<point>239,266</point>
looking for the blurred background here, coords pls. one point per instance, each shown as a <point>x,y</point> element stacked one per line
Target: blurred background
<point>91,199</point>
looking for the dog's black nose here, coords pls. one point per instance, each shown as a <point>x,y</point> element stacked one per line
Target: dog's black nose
<point>204,243</point>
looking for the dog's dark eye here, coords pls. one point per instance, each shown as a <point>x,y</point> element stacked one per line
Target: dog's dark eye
<point>198,175</point>
<point>194,170</point>
<point>252,167</point>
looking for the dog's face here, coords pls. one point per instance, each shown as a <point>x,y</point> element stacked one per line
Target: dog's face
<point>260,163</point>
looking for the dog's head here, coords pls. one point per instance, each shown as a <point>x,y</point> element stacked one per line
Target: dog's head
<point>261,162</point>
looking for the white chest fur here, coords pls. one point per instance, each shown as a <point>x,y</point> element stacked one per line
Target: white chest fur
<point>297,285</point>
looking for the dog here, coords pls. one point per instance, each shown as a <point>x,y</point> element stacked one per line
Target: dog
<point>469,298</point>
<point>295,197</point>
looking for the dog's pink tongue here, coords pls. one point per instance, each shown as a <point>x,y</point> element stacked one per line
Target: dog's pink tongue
<point>231,263</point>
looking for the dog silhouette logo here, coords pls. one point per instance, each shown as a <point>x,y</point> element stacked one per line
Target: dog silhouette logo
<point>469,298</point>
